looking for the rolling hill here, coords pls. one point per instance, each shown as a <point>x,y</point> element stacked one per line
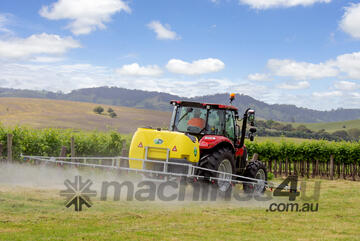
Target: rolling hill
<point>331,126</point>
<point>40,113</point>
<point>160,101</point>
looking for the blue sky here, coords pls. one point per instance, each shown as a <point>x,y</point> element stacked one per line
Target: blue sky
<point>302,52</point>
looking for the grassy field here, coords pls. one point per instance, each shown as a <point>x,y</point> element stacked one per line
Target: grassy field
<point>330,126</point>
<point>39,214</point>
<point>279,139</point>
<point>40,113</point>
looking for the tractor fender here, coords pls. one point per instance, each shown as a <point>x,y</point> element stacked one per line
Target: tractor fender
<point>209,142</point>
<point>209,151</point>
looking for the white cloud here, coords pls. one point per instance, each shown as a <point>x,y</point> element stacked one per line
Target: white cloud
<point>85,15</point>
<point>137,70</point>
<point>265,4</point>
<point>349,64</point>
<point>259,77</point>
<point>350,22</point>
<point>295,86</point>
<point>46,59</point>
<point>334,93</point>
<point>162,31</point>
<point>36,44</point>
<point>193,87</point>
<point>52,77</point>
<point>4,20</point>
<point>201,66</point>
<point>346,85</point>
<point>301,70</point>
<point>64,77</point>
<point>355,95</point>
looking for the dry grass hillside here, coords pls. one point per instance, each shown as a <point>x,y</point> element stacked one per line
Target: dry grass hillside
<point>40,113</point>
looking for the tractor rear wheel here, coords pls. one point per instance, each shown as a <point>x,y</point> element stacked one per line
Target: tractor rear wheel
<point>257,170</point>
<point>221,160</point>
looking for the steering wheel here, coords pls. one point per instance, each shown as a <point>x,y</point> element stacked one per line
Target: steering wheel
<point>193,129</point>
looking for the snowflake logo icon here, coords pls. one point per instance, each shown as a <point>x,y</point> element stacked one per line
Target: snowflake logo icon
<point>78,193</point>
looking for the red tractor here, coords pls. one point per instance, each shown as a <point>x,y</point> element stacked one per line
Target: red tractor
<point>213,131</point>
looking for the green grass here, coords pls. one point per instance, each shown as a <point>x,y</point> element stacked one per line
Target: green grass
<point>31,214</point>
<point>330,126</point>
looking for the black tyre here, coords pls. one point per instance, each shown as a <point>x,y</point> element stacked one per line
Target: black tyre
<point>221,160</point>
<point>257,170</point>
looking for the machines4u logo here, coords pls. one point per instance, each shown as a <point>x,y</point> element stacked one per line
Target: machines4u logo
<point>78,193</point>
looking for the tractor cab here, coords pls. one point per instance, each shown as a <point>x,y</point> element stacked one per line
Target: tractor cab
<point>212,121</point>
<point>200,119</point>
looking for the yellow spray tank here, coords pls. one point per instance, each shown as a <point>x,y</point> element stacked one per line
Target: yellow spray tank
<point>162,145</point>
